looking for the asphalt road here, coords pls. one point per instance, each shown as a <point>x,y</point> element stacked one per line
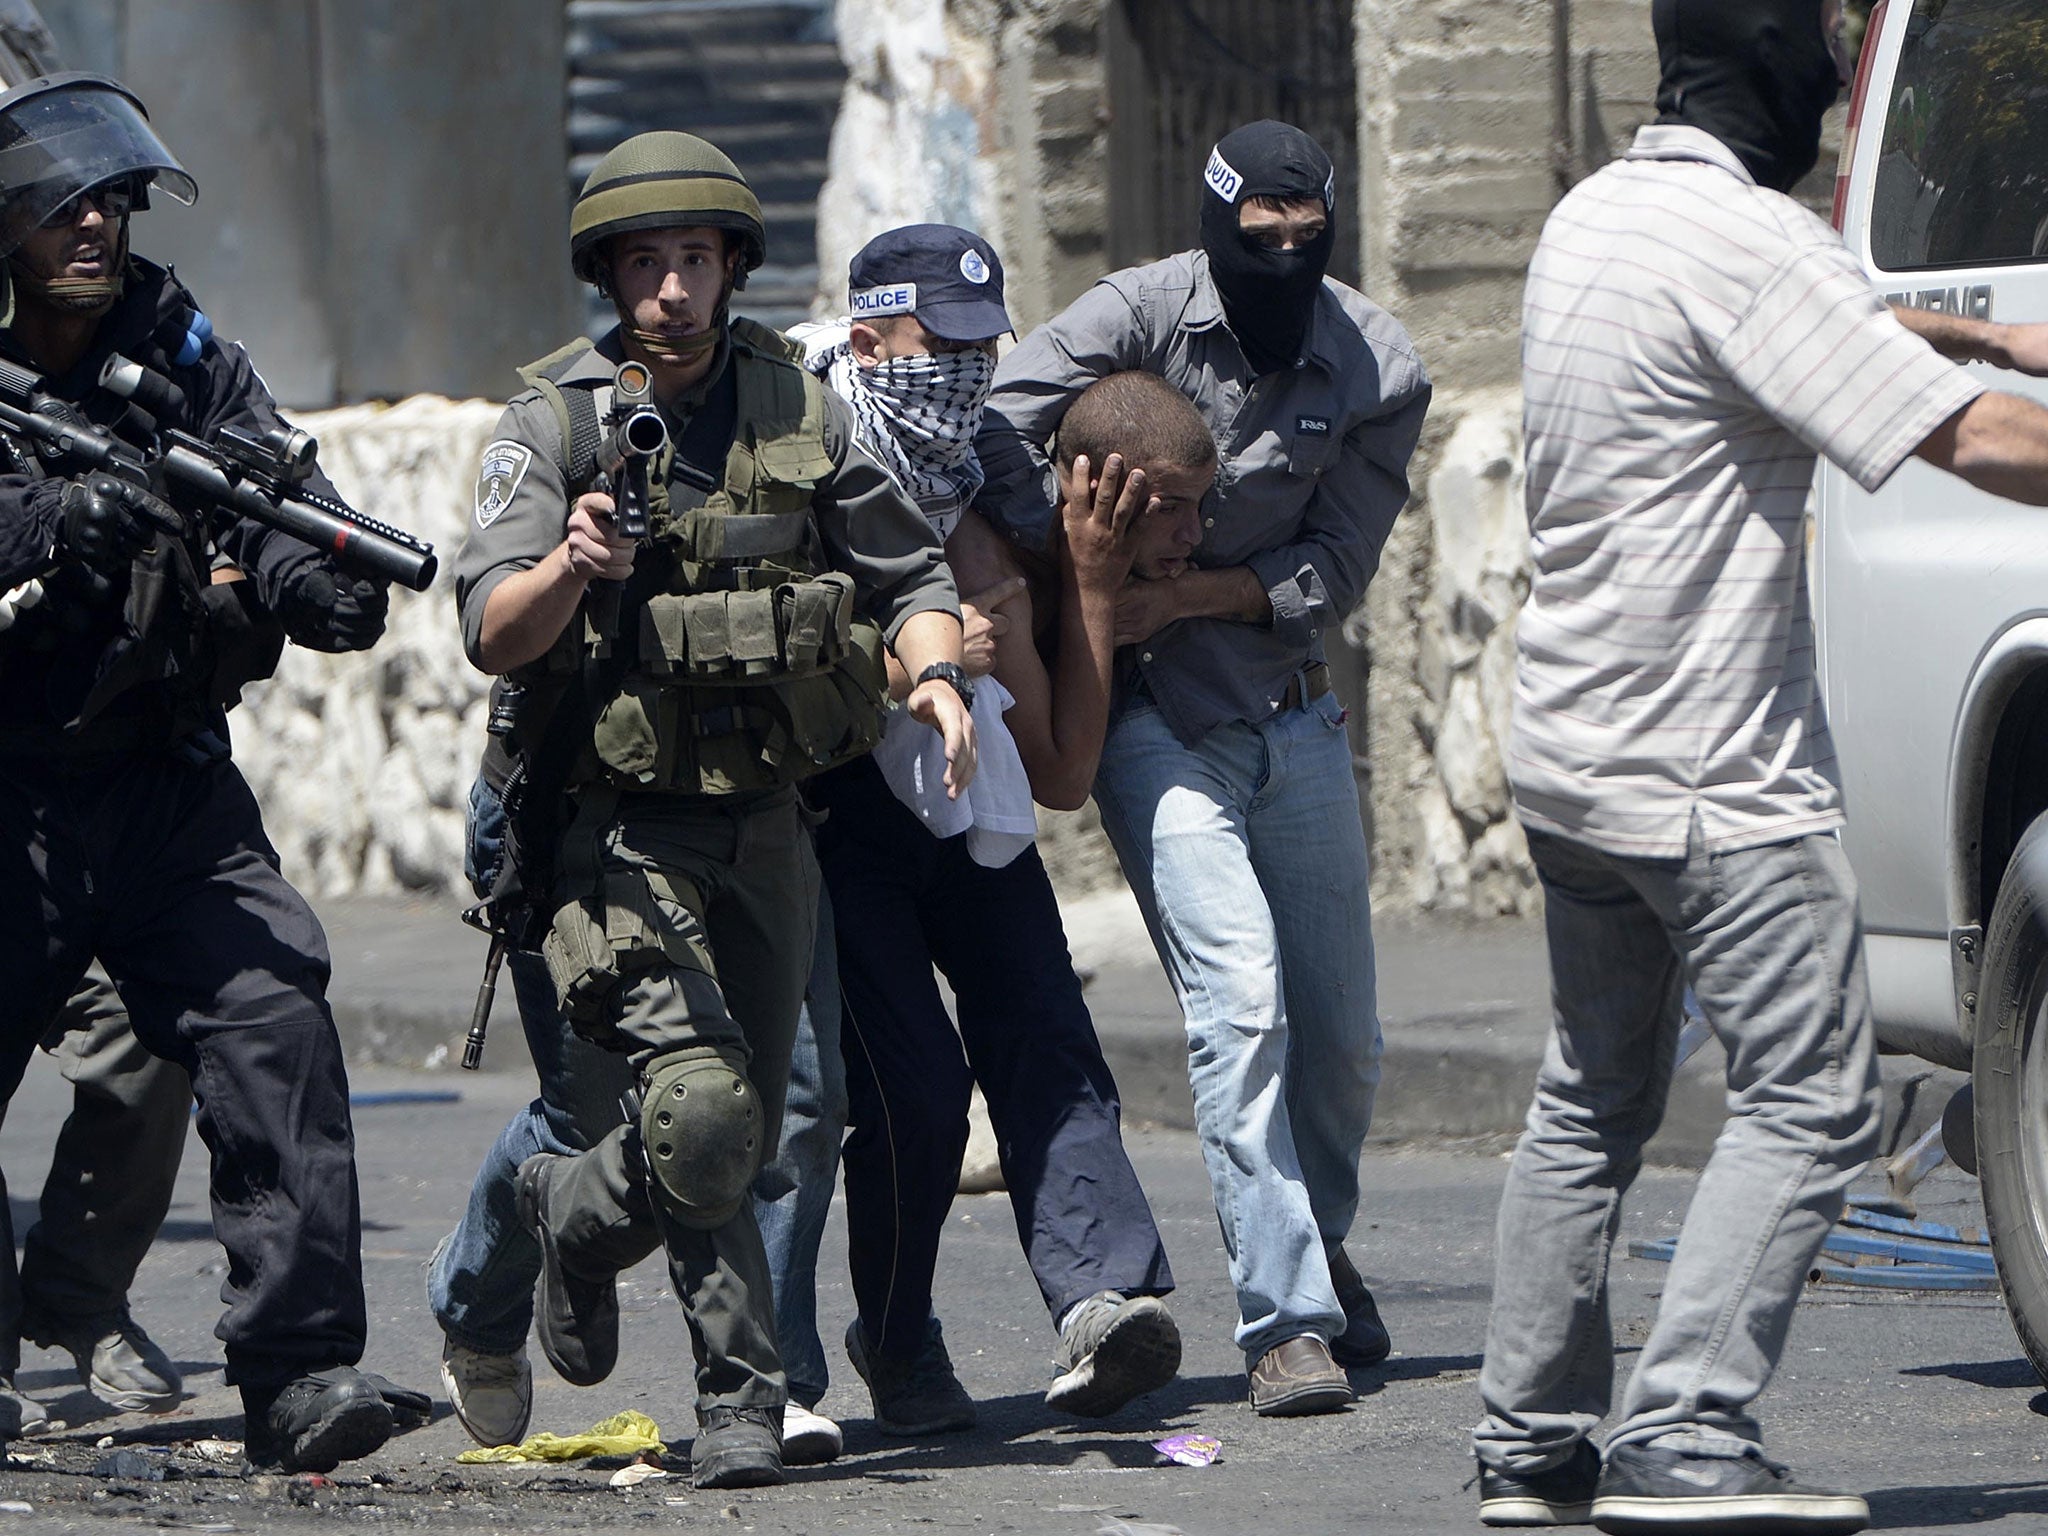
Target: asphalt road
<point>1922,1402</point>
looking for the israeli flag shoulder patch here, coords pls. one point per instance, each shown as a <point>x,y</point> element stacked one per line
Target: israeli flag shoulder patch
<point>497,480</point>
<point>1222,177</point>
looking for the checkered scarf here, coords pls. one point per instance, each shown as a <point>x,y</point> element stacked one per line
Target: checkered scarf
<point>918,415</point>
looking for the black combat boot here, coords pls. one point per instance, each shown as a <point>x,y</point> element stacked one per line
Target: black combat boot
<point>315,1422</point>
<point>577,1319</point>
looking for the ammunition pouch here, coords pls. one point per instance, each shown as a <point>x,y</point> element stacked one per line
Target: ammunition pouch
<point>599,943</point>
<point>745,689</point>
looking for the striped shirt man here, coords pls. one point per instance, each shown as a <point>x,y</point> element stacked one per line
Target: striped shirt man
<point>1691,342</point>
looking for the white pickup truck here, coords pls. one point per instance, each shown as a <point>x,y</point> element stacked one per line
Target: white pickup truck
<point>1932,602</point>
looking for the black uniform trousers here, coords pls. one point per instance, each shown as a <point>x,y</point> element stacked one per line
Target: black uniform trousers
<point>160,868</point>
<point>903,901</point>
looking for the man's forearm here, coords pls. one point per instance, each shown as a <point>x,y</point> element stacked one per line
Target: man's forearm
<point>527,612</point>
<point>925,638</point>
<point>1233,592</point>
<point>1957,337</point>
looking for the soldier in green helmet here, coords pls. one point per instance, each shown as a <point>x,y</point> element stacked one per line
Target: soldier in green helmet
<point>673,691</point>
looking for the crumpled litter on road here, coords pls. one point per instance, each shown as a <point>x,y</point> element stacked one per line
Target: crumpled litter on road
<point>1188,1450</point>
<point>623,1434</point>
<point>637,1472</point>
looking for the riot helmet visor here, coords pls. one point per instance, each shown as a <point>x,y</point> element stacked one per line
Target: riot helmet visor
<point>62,137</point>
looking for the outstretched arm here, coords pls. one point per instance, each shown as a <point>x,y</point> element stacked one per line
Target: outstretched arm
<point>1999,443</point>
<point>2022,348</point>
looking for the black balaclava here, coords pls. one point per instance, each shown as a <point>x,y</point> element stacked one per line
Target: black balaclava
<point>1756,74</point>
<point>1268,295</point>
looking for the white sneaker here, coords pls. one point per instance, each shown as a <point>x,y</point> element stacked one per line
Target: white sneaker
<point>491,1394</point>
<point>808,1438</point>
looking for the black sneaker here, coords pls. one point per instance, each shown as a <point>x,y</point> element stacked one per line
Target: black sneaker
<point>737,1448</point>
<point>1563,1495</point>
<point>1365,1340</point>
<point>577,1319</point>
<point>315,1423</point>
<point>918,1396</point>
<point>1644,1489</point>
<point>1112,1349</point>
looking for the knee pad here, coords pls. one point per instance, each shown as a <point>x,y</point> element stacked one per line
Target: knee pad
<point>701,1128</point>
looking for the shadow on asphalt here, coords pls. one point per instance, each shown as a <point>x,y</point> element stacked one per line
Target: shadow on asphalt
<point>1959,1504</point>
<point>1374,1378</point>
<point>1982,1373</point>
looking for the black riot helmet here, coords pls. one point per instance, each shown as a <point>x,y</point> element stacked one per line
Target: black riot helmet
<point>68,133</point>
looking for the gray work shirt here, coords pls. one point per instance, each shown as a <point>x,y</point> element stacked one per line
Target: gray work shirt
<point>872,531</point>
<point>1313,466</point>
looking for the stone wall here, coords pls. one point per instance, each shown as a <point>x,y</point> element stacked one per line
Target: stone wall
<point>363,763</point>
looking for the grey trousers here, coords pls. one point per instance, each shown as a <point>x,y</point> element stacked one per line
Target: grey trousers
<point>1771,943</point>
<point>738,936</point>
<point>111,1175</point>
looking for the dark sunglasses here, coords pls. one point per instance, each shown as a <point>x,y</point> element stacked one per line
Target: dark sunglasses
<point>113,199</point>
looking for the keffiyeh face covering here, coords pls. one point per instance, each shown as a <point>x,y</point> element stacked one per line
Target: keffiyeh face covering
<point>918,415</point>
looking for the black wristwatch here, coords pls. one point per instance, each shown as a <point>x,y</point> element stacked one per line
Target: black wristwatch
<point>950,672</point>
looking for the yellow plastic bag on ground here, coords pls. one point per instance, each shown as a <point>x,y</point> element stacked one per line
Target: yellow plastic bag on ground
<point>623,1434</point>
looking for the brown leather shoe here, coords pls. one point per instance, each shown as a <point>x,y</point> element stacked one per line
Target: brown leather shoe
<point>1298,1377</point>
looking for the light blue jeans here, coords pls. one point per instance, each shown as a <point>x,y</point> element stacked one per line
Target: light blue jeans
<point>793,1193</point>
<point>1248,859</point>
<point>1770,941</point>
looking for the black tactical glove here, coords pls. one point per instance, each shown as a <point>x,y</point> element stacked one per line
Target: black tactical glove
<point>326,611</point>
<point>105,523</point>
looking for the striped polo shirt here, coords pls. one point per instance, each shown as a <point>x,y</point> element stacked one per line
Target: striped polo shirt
<point>1690,343</point>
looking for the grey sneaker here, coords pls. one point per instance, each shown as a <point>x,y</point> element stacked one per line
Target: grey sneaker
<point>918,1396</point>
<point>19,1415</point>
<point>1112,1349</point>
<point>492,1394</point>
<point>1644,1489</point>
<point>737,1448</point>
<point>117,1362</point>
<point>1563,1495</point>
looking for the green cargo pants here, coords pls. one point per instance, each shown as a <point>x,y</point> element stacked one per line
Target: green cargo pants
<point>707,907</point>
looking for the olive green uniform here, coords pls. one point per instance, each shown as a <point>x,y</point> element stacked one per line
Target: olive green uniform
<point>687,890</point>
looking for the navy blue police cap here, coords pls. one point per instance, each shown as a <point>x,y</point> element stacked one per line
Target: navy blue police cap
<point>948,277</point>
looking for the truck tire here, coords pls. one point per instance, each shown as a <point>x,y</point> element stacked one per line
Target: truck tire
<point>2009,1075</point>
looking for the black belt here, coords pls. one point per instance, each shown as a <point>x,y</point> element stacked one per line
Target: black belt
<point>1306,686</point>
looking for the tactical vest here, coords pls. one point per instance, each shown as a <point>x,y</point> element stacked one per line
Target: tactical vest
<point>745,668</point>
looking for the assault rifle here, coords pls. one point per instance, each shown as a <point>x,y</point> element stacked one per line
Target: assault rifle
<point>239,474</point>
<point>637,434</point>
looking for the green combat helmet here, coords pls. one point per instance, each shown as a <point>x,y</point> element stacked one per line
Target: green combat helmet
<point>664,181</point>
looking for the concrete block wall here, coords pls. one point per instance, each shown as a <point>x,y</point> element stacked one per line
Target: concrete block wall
<point>1472,122</point>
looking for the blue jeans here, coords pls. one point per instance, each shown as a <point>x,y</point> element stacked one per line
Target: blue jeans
<point>1248,859</point>
<point>1771,944</point>
<point>480,1284</point>
<point>793,1193</point>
